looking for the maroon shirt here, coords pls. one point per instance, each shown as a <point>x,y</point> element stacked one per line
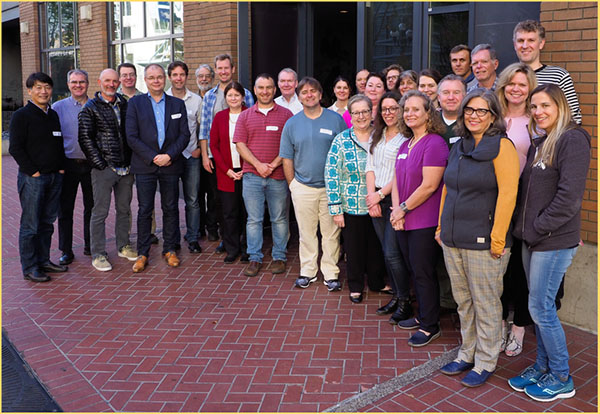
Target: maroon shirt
<point>262,134</point>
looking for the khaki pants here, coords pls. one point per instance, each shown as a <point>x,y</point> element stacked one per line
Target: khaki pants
<point>310,206</point>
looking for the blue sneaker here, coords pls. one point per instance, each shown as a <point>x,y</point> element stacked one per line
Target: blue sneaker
<point>304,282</point>
<point>333,285</point>
<point>549,388</point>
<point>419,339</point>
<point>456,367</point>
<point>475,379</point>
<point>530,376</point>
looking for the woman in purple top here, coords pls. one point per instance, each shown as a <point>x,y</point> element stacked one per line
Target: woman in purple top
<point>420,165</point>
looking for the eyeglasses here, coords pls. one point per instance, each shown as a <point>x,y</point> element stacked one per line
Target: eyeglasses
<point>391,110</point>
<point>128,75</point>
<point>78,82</point>
<point>358,114</point>
<point>392,77</point>
<point>481,112</point>
<point>204,77</point>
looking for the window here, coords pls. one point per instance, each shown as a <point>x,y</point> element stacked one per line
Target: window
<point>146,32</point>
<point>448,27</point>
<point>60,43</point>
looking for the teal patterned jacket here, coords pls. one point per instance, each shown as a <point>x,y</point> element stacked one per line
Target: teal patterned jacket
<point>345,177</point>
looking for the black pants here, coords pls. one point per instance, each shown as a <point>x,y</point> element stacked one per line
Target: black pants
<point>363,254</point>
<point>420,252</point>
<point>76,172</point>
<point>515,287</point>
<point>211,213</point>
<point>234,220</point>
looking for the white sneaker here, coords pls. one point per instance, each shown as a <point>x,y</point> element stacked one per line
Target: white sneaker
<point>102,264</point>
<point>128,253</point>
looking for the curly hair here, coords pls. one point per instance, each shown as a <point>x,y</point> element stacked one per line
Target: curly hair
<point>435,125</point>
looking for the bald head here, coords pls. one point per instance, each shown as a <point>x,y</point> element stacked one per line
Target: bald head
<point>108,82</point>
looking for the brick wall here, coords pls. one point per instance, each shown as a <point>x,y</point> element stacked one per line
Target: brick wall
<point>30,43</point>
<point>571,42</point>
<point>93,43</point>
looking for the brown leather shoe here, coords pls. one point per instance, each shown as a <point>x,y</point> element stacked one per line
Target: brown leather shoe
<point>140,264</point>
<point>172,259</point>
<point>252,269</point>
<point>278,266</point>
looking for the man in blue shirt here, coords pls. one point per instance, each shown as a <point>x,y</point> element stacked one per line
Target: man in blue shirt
<point>157,132</point>
<point>305,142</point>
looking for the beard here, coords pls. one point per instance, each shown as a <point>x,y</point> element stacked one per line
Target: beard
<point>204,88</point>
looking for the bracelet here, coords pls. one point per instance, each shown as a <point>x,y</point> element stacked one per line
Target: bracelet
<point>381,195</point>
<point>404,208</point>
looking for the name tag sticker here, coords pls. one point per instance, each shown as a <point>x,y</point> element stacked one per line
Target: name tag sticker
<point>326,131</point>
<point>175,116</point>
<point>272,128</point>
<point>454,139</point>
<point>480,239</point>
<point>402,156</point>
<point>57,133</point>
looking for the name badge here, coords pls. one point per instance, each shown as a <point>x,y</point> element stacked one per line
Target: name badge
<point>402,156</point>
<point>453,139</point>
<point>175,116</point>
<point>57,133</point>
<point>481,240</point>
<point>272,128</point>
<point>326,131</point>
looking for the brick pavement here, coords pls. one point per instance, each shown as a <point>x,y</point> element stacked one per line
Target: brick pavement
<point>203,337</point>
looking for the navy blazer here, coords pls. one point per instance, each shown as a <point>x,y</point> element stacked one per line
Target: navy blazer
<point>142,135</point>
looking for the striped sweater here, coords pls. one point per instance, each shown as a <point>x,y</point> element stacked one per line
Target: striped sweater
<point>561,78</point>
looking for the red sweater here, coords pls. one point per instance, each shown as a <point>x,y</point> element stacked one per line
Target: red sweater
<point>221,151</point>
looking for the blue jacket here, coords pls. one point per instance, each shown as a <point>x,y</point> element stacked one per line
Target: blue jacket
<point>142,135</point>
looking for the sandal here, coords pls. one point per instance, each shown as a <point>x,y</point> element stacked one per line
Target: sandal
<point>504,341</point>
<point>514,346</point>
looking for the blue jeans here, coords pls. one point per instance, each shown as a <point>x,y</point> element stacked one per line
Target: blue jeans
<point>169,201</point>
<point>256,190</point>
<point>191,190</point>
<point>39,198</point>
<point>545,272</point>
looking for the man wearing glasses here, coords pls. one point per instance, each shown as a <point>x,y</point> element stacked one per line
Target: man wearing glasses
<point>127,77</point>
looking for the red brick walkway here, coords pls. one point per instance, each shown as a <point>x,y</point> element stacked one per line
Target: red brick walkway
<point>203,337</point>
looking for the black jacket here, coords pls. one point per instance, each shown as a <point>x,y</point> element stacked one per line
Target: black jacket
<point>101,138</point>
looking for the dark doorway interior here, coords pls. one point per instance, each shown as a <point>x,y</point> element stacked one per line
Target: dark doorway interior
<point>334,44</point>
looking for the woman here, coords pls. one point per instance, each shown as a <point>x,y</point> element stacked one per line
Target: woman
<point>416,193</point>
<point>408,80</point>
<point>381,158</point>
<point>341,90</point>
<point>346,193</point>
<point>374,91</point>
<point>548,221</point>
<point>478,200</point>
<point>428,84</point>
<point>229,172</point>
<point>514,85</point>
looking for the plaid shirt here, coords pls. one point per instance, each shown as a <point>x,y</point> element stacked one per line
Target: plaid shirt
<point>208,105</point>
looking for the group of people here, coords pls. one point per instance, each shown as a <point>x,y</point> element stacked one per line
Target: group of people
<point>421,178</point>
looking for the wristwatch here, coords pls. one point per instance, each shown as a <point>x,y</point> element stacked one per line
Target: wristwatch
<point>381,195</point>
<point>403,207</point>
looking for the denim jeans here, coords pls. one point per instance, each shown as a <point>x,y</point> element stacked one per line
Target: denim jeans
<point>256,190</point>
<point>397,271</point>
<point>191,195</point>
<point>544,272</point>
<point>39,198</point>
<point>169,201</point>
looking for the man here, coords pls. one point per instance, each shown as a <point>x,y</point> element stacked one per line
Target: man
<point>361,80</point>
<point>128,78</point>
<point>287,81</point>
<point>157,132</point>
<point>529,38</point>
<point>102,140</point>
<point>392,73</point>
<point>257,137</point>
<point>451,92</point>
<point>460,60</point>
<point>178,74</point>
<point>36,144</point>
<point>305,142</point>
<point>214,101</point>
<point>77,168</point>
<point>484,63</point>
<point>205,75</point>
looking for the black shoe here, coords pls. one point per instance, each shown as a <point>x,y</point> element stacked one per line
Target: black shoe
<point>391,306</point>
<point>37,276</point>
<point>87,251</point>
<point>177,247</point>
<point>153,239</point>
<point>356,299</point>
<point>53,268</point>
<point>213,236</point>
<point>244,258</point>
<point>220,248</point>
<point>66,259</point>
<point>194,247</point>
<point>230,258</point>
<point>403,312</point>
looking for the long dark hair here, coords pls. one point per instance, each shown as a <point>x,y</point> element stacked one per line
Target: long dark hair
<point>379,122</point>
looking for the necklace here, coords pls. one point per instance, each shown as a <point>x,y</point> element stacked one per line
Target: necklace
<point>413,142</point>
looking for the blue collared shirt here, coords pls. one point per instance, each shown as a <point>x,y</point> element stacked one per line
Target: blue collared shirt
<point>159,117</point>
<point>68,111</point>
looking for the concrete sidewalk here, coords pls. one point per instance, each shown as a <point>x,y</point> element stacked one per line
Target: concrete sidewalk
<point>203,337</point>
